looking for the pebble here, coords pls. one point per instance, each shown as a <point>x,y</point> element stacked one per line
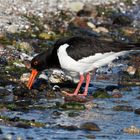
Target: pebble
<point>12,28</point>
<point>25,47</point>
<point>76,6</point>
<point>25,77</point>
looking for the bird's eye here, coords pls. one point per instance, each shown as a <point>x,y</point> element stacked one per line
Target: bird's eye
<point>36,62</point>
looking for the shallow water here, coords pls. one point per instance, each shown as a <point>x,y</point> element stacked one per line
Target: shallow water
<point>111,122</point>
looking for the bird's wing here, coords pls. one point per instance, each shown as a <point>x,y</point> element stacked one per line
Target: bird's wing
<point>82,47</point>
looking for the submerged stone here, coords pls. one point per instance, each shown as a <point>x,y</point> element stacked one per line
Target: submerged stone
<point>73,114</point>
<point>73,106</point>
<point>77,98</point>
<point>68,127</point>
<point>137,111</point>
<point>123,108</point>
<point>89,126</point>
<point>101,93</point>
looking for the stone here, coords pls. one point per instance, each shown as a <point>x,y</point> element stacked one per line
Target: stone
<point>25,77</point>
<point>132,130</point>
<point>131,70</point>
<point>75,6</point>
<point>73,106</point>
<point>73,114</point>
<point>68,127</point>
<point>90,136</point>
<point>25,47</point>
<point>1,131</point>
<point>22,125</point>
<point>101,93</point>
<point>117,95</point>
<point>137,111</point>
<point>12,28</point>
<point>80,99</point>
<point>89,126</point>
<point>123,108</point>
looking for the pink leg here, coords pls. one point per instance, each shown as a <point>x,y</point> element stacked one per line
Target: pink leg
<point>78,86</point>
<point>87,85</point>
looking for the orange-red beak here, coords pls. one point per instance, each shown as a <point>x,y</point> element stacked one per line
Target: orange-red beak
<point>32,77</point>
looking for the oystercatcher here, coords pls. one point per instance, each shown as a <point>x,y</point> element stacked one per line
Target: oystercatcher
<point>81,55</point>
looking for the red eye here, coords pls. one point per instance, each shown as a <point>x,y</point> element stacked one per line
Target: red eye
<point>36,62</point>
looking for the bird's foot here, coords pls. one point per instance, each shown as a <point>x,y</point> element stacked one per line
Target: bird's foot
<point>70,94</point>
<point>74,94</point>
<point>82,94</point>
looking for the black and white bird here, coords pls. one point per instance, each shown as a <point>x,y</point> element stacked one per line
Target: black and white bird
<point>80,55</point>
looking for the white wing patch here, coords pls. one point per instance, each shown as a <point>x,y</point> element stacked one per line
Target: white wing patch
<point>86,64</point>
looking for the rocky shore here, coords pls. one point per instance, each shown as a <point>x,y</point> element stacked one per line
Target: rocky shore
<point>28,27</point>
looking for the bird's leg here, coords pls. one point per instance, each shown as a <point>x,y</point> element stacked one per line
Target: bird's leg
<point>78,86</point>
<point>87,85</point>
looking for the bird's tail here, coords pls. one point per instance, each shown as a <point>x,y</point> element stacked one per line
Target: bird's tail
<point>129,46</point>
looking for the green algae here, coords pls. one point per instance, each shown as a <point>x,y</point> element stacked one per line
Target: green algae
<point>12,121</point>
<point>101,94</point>
<point>73,106</point>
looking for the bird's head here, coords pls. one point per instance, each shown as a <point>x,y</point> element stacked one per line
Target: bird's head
<point>37,64</point>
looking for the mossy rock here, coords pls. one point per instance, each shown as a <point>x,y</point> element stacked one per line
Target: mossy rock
<point>47,36</point>
<point>18,122</point>
<point>123,108</point>
<point>101,93</point>
<point>73,106</point>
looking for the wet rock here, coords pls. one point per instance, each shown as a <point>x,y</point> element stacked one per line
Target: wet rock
<point>73,114</point>
<point>90,136</point>
<point>18,122</point>
<point>123,108</point>
<point>111,88</point>
<point>132,130</point>
<point>122,19</point>
<point>56,114</point>
<point>137,111</point>
<point>68,127</point>
<point>81,99</point>
<point>4,91</point>
<point>22,92</point>
<point>1,131</point>
<point>73,106</point>
<point>138,97</point>
<point>120,101</point>
<point>90,105</point>
<point>116,93</point>
<point>101,93</point>
<point>89,126</point>
<point>22,125</point>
